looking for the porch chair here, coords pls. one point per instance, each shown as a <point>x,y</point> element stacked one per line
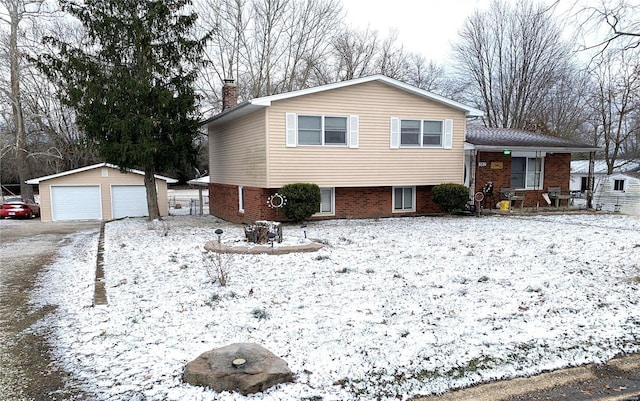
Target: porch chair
<point>512,195</point>
<point>556,194</point>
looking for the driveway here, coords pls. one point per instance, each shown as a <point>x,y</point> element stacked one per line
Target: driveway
<point>26,247</point>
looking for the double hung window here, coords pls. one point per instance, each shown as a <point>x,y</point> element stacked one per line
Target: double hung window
<point>319,130</point>
<point>418,133</point>
<point>421,133</point>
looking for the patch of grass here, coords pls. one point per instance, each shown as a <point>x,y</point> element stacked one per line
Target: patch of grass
<point>322,257</point>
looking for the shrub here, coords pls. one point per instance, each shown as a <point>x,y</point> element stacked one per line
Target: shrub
<point>303,200</point>
<point>450,197</point>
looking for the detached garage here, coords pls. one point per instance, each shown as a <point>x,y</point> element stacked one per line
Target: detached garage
<point>98,192</point>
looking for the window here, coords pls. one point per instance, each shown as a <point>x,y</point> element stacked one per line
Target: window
<point>618,185</point>
<point>327,201</point>
<point>408,133</point>
<point>241,199</point>
<point>526,172</point>
<point>319,130</point>
<point>420,133</point>
<point>310,130</point>
<point>404,199</point>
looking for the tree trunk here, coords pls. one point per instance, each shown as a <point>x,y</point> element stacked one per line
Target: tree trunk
<point>21,152</point>
<point>152,195</point>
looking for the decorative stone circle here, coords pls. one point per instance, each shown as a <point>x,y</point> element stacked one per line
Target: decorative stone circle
<point>223,369</point>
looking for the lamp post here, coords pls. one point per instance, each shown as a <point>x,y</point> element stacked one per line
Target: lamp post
<point>271,236</point>
<point>219,234</point>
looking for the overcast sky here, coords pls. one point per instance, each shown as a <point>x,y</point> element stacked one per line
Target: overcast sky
<point>429,27</point>
<point>424,26</point>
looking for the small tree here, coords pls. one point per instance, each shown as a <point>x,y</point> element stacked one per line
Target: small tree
<point>450,197</point>
<point>303,200</point>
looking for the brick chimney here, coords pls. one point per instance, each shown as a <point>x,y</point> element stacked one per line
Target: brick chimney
<point>229,94</point>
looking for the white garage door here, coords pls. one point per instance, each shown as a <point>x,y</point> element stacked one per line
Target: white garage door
<point>129,201</point>
<point>76,203</point>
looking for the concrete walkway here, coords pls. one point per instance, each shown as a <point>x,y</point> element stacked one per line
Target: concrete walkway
<point>617,380</point>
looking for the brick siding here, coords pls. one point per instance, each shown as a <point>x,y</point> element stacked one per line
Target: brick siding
<point>557,170</point>
<point>350,203</point>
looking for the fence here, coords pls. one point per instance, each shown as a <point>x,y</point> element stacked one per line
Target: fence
<point>180,204</point>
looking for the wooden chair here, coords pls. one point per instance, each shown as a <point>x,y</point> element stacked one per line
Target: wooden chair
<point>556,194</point>
<point>512,195</point>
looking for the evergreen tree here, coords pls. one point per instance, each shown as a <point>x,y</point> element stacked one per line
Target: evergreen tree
<point>131,82</point>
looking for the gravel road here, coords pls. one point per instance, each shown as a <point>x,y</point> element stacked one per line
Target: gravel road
<point>26,247</point>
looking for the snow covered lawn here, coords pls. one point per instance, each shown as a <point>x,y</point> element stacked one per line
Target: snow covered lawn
<point>389,308</point>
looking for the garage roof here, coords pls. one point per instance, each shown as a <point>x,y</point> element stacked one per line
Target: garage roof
<point>99,165</point>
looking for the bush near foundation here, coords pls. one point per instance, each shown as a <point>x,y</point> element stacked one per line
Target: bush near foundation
<point>302,200</point>
<point>450,197</point>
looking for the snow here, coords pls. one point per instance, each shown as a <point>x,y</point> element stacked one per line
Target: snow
<point>388,309</point>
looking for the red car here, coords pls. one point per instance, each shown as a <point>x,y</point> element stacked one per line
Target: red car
<point>19,207</point>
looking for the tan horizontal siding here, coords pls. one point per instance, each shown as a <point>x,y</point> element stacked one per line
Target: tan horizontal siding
<point>237,152</point>
<point>373,163</point>
<point>94,177</point>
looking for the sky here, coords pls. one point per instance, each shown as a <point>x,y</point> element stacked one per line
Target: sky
<point>429,27</point>
<point>424,26</point>
<point>387,309</point>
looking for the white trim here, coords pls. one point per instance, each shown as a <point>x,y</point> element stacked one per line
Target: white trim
<point>293,137</point>
<point>354,129</point>
<point>333,203</point>
<point>241,199</point>
<point>267,100</point>
<point>94,166</point>
<point>262,102</point>
<point>444,136</point>
<point>291,123</point>
<point>393,199</point>
<point>55,214</point>
<point>447,134</point>
<point>394,135</point>
<point>128,205</point>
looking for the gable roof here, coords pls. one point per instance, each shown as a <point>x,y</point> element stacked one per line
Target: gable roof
<point>99,165</point>
<point>484,138</point>
<point>252,105</point>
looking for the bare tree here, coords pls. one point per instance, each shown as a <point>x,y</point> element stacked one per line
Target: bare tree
<point>511,55</point>
<point>616,24</point>
<point>616,104</point>
<point>268,46</point>
<point>15,14</point>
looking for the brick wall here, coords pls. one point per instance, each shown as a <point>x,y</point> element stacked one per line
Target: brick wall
<point>557,170</point>
<point>356,203</point>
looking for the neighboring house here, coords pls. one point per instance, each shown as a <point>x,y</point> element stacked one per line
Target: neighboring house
<point>374,145</point>
<point>97,192</point>
<point>526,161</point>
<point>617,192</point>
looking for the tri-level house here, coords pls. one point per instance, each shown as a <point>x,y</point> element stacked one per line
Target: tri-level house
<point>374,145</point>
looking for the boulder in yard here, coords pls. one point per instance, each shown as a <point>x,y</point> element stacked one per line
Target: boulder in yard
<point>241,367</point>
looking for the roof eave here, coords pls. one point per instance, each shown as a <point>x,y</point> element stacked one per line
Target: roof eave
<point>266,101</point>
<point>548,149</point>
<point>36,181</point>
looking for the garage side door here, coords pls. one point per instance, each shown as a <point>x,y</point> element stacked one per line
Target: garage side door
<point>129,201</point>
<point>76,203</point>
